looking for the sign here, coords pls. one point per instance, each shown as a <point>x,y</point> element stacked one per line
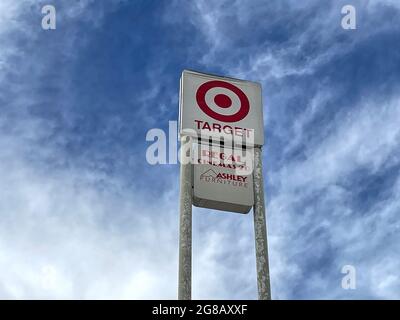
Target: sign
<point>224,116</point>
<point>218,107</point>
<point>222,178</point>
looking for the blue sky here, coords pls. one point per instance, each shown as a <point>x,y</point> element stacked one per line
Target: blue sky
<point>83,215</point>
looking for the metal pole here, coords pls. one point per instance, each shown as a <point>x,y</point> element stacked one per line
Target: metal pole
<point>185,225</point>
<point>260,230</point>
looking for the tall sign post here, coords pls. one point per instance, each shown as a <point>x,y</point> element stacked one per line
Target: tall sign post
<point>222,133</point>
<point>185,223</point>
<point>260,230</point>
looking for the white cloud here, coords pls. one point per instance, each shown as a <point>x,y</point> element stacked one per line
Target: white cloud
<point>79,233</point>
<point>62,236</point>
<point>367,137</point>
<point>70,232</point>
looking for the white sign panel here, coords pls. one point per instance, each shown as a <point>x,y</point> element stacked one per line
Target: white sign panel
<point>222,178</point>
<point>221,107</point>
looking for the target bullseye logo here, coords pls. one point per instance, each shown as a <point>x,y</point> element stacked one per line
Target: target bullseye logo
<point>222,101</point>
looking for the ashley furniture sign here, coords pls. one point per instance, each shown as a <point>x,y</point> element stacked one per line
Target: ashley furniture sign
<point>222,178</point>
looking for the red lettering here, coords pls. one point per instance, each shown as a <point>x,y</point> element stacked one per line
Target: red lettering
<point>198,123</point>
<point>216,127</point>
<point>232,177</point>
<point>206,126</point>
<point>239,131</point>
<point>229,129</point>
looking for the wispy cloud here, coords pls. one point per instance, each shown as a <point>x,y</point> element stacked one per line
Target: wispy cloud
<point>332,139</point>
<point>82,215</point>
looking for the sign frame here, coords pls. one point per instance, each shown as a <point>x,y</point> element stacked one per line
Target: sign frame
<point>222,178</point>
<point>197,119</point>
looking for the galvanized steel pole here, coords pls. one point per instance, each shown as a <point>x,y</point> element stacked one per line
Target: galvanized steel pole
<point>260,229</point>
<point>185,224</point>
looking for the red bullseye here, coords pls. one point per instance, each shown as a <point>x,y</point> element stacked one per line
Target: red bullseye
<point>222,101</point>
